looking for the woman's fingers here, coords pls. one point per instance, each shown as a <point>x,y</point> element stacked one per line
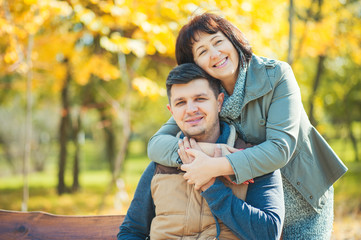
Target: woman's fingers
<point>197,186</point>
<point>232,149</point>
<point>194,153</point>
<point>217,151</point>
<point>197,171</point>
<point>185,167</point>
<point>186,143</point>
<point>194,144</point>
<point>182,153</point>
<point>207,185</point>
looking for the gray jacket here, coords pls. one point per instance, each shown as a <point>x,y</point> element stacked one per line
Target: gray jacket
<point>272,117</point>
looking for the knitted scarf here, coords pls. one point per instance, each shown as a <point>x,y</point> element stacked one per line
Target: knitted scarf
<point>232,104</point>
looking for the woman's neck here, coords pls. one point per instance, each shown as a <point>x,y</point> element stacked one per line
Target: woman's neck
<point>229,87</point>
<point>230,83</point>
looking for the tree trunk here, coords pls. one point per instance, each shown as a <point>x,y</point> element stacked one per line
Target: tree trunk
<point>124,115</point>
<point>28,126</point>
<point>126,118</point>
<point>76,167</point>
<point>109,138</point>
<point>311,15</point>
<point>315,85</point>
<point>28,123</point>
<point>350,131</point>
<point>353,141</point>
<point>63,130</point>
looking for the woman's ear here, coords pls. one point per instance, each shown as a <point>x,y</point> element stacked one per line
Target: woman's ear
<point>220,100</point>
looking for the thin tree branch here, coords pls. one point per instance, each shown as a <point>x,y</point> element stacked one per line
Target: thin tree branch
<point>19,52</point>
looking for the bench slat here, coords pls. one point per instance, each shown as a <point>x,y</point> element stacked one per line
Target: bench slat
<point>40,225</point>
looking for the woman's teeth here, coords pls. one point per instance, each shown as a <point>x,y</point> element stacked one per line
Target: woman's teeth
<point>221,63</point>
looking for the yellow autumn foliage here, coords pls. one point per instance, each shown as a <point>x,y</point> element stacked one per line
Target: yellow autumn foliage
<point>150,27</point>
<point>96,65</point>
<point>148,88</point>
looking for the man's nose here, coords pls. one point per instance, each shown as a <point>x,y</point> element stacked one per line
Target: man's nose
<point>191,107</point>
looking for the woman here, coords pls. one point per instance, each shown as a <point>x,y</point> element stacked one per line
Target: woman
<point>263,102</point>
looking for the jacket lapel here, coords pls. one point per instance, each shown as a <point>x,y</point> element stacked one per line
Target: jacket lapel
<point>257,81</point>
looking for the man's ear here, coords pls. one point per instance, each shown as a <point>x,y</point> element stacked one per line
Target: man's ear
<point>220,100</point>
<point>170,108</point>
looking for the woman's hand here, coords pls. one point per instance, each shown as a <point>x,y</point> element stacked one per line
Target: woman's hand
<point>209,163</point>
<point>185,144</point>
<point>207,148</point>
<point>217,153</point>
<point>203,168</point>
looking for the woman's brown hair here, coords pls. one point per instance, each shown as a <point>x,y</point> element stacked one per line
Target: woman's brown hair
<point>210,23</point>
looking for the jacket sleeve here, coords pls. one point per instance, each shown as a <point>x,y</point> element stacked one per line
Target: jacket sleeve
<point>163,146</point>
<point>282,126</point>
<point>259,217</point>
<point>136,224</point>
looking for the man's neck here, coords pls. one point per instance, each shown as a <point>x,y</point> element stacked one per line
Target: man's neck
<point>212,138</point>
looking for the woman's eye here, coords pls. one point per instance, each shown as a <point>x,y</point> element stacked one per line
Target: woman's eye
<point>202,52</point>
<point>218,42</point>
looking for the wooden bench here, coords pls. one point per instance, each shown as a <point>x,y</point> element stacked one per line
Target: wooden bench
<point>41,225</point>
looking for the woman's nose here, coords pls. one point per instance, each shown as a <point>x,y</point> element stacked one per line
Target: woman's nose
<point>215,53</point>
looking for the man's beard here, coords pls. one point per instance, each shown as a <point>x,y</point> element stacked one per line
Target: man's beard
<point>196,135</point>
<point>203,135</point>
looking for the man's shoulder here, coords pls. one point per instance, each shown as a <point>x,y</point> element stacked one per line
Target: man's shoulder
<point>161,169</point>
<point>241,144</point>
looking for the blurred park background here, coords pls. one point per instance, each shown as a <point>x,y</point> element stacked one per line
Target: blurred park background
<point>82,91</point>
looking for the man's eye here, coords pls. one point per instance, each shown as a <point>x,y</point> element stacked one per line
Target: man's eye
<point>218,42</point>
<point>179,103</point>
<point>201,99</point>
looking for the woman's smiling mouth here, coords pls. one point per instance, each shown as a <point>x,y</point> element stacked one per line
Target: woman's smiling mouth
<point>221,63</point>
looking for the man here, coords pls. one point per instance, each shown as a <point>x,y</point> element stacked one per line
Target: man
<point>165,206</point>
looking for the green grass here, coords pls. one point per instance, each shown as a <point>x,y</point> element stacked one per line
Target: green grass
<point>133,169</point>
<point>348,191</point>
<point>43,196</point>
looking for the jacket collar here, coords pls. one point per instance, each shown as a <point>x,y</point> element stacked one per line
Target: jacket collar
<point>257,80</point>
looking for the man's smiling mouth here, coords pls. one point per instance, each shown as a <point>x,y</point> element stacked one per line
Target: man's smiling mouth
<point>194,120</point>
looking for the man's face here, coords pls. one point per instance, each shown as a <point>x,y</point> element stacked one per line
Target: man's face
<point>195,109</point>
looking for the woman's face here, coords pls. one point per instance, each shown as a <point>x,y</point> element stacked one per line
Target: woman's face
<point>217,56</point>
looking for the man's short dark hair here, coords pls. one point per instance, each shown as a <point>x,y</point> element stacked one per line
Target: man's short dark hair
<point>184,73</point>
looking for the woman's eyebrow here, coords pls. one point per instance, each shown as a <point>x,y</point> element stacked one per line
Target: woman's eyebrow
<point>198,48</point>
<point>215,37</point>
<point>210,41</point>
